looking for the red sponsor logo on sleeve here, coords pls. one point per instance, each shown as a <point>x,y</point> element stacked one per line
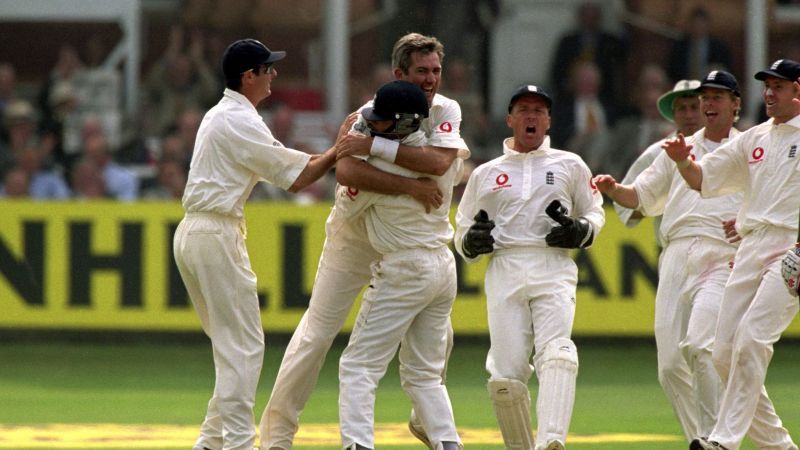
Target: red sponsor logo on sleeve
<point>352,192</point>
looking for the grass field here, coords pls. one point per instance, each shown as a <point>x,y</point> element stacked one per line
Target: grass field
<point>153,395</point>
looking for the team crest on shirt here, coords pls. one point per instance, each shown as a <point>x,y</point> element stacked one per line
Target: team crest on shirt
<point>549,178</point>
<point>501,182</point>
<point>757,155</point>
<point>792,151</point>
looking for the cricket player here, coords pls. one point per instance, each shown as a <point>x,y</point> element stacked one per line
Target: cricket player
<point>234,150</point>
<point>756,307</point>
<point>528,208</point>
<point>696,260</point>
<point>344,267</point>
<point>411,292</point>
<point>680,106</point>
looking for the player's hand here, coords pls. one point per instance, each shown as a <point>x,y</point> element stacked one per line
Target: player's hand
<point>571,232</point>
<point>790,269</point>
<point>427,192</point>
<point>605,183</point>
<point>478,239</point>
<point>353,144</point>
<point>731,235</point>
<point>677,149</point>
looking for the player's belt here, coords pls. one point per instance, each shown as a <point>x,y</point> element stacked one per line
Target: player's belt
<point>223,218</point>
<point>529,249</point>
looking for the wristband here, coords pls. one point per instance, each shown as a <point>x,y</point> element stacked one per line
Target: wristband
<point>683,164</point>
<point>384,148</point>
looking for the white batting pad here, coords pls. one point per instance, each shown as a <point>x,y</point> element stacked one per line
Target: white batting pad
<point>512,404</point>
<point>557,370</point>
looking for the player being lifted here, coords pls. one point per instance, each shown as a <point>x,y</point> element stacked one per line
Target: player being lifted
<point>412,289</point>
<point>344,267</point>
<point>528,208</point>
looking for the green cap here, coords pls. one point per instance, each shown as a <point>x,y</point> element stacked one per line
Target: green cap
<point>683,88</point>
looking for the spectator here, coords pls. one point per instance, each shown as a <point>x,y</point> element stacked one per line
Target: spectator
<point>172,147</point>
<point>582,121</point>
<point>457,83</point>
<point>282,122</point>
<point>180,80</point>
<point>698,53</point>
<point>187,125</point>
<point>589,42</point>
<point>64,104</point>
<point>8,81</point>
<point>45,183</point>
<point>121,183</point>
<point>20,131</point>
<point>381,74</point>
<point>170,181</point>
<point>87,180</point>
<point>68,65</point>
<point>16,184</point>
<point>632,134</point>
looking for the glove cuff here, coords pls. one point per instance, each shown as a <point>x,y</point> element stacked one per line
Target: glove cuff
<point>589,238</point>
<point>467,253</point>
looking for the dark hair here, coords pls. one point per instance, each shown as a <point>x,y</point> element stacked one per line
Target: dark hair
<point>234,84</point>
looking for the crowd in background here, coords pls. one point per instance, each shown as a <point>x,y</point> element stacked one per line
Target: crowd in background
<point>59,146</point>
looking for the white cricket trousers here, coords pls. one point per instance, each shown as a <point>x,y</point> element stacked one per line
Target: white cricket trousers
<point>344,268</point>
<point>756,308</point>
<point>530,299</point>
<point>215,267</point>
<point>408,304</point>
<point>692,276</point>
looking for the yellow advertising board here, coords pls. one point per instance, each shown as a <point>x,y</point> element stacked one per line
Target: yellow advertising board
<point>109,266</point>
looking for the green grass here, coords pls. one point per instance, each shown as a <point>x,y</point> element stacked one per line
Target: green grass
<point>153,383</point>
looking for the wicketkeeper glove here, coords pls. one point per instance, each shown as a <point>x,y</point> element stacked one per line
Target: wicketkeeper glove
<point>478,239</point>
<point>571,232</point>
<point>790,269</point>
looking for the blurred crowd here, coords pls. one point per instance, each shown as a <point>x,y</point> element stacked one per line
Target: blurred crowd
<point>72,141</point>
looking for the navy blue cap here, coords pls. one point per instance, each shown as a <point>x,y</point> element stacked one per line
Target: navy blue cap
<point>246,54</point>
<point>721,80</point>
<point>783,68</point>
<point>529,89</point>
<point>395,98</point>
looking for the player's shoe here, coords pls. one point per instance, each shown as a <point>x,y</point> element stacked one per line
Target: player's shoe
<point>418,432</point>
<point>552,445</point>
<point>356,447</point>
<point>704,444</point>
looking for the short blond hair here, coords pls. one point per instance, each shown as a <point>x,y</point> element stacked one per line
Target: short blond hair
<point>411,43</point>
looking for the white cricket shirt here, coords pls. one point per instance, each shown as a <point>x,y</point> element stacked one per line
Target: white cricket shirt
<point>233,151</point>
<point>514,189</point>
<point>642,162</point>
<point>662,190</point>
<point>398,222</point>
<point>762,162</point>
